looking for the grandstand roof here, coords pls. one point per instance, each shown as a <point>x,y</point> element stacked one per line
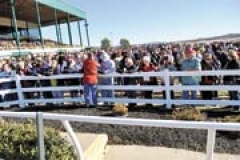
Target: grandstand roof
<point>25,11</point>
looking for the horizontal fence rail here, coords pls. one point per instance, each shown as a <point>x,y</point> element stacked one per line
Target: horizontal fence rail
<point>211,127</point>
<point>7,52</point>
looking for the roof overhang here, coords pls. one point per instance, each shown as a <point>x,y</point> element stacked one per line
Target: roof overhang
<point>64,7</point>
<point>26,11</point>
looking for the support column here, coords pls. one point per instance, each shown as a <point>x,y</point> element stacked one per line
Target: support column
<point>87,33</point>
<point>39,23</point>
<point>12,29</point>
<point>69,31</point>
<point>14,22</point>
<point>57,27</point>
<point>21,32</point>
<point>80,33</point>
<point>28,34</point>
<point>60,32</point>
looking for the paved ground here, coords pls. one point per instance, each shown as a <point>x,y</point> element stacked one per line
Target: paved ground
<point>158,153</point>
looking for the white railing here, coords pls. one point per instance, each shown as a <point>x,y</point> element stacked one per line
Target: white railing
<point>211,127</point>
<point>9,52</point>
<point>165,76</point>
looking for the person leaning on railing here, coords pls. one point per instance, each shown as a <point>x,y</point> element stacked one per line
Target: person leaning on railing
<point>233,63</point>
<point>190,64</point>
<point>129,67</point>
<point>70,69</point>
<point>90,80</point>
<point>6,73</point>
<point>24,69</point>
<point>43,69</point>
<point>147,66</point>
<point>54,82</point>
<point>207,64</point>
<point>167,63</point>
<point>107,66</point>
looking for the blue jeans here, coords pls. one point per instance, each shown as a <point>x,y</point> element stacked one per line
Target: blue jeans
<point>107,93</point>
<point>90,94</point>
<point>186,95</point>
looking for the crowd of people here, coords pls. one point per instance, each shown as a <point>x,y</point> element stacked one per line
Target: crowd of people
<point>149,58</point>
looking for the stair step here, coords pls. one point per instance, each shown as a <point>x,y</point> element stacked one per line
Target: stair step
<point>158,153</point>
<point>93,145</point>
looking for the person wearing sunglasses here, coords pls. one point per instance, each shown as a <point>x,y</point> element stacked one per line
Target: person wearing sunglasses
<point>208,65</point>
<point>232,64</point>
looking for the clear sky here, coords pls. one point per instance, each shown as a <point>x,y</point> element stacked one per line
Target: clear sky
<point>143,21</point>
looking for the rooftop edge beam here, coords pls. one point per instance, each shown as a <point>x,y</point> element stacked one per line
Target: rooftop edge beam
<point>64,7</point>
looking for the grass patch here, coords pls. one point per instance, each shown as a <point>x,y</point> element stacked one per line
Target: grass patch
<point>189,115</point>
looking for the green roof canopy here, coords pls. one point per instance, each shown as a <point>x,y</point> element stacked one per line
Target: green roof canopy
<point>26,12</point>
<point>65,7</point>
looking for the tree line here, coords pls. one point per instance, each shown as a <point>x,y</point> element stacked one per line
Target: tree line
<point>106,43</point>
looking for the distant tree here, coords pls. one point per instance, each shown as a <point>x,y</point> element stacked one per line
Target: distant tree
<point>124,43</point>
<point>105,44</point>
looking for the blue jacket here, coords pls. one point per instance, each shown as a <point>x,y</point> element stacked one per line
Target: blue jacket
<point>107,66</point>
<point>193,64</point>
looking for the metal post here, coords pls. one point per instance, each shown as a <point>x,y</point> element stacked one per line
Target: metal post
<point>21,32</point>
<point>211,143</point>
<point>69,31</point>
<point>39,23</point>
<point>167,88</point>
<point>74,139</point>
<point>60,32</point>
<point>87,33</point>
<point>40,136</point>
<point>80,33</point>
<point>15,26</point>
<point>56,27</point>
<point>28,34</point>
<point>12,29</point>
<point>19,91</point>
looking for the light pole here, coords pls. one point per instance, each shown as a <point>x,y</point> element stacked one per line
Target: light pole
<point>111,38</point>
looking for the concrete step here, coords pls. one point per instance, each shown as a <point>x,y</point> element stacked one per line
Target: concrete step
<point>93,145</point>
<point>158,153</point>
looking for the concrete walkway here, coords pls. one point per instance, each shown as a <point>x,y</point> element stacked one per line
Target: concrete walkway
<point>158,153</point>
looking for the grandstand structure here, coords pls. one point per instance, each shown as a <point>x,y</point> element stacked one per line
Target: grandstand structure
<point>21,23</point>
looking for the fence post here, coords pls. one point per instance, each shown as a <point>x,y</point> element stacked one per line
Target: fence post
<point>167,89</point>
<point>211,143</point>
<point>19,91</point>
<point>74,139</point>
<point>40,136</point>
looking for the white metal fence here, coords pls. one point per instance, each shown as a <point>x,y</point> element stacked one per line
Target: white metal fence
<point>211,127</point>
<point>166,76</point>
<point>6,52</point>
<point>167,87</point>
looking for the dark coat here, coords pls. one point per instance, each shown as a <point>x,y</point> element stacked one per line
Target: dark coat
<point>207,80</point>
<point>129,69</point>
<point>231,65</point>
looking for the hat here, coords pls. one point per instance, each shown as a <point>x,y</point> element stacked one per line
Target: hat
<point>104,56</point>
<point>190,51</point>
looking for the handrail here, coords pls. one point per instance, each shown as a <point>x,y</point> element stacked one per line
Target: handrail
<point>211,127</point>
<point>164,75</point>
<point>142,74</point>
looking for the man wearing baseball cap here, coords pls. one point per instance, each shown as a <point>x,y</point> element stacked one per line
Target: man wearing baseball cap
<point>190,64</point>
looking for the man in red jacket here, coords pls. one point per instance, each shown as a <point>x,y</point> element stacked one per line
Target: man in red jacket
<point>90,80</point>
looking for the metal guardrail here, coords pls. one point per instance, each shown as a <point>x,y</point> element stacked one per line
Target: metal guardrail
<point>7,52</point>
<point>164,75</point>
<point>211,127</point>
